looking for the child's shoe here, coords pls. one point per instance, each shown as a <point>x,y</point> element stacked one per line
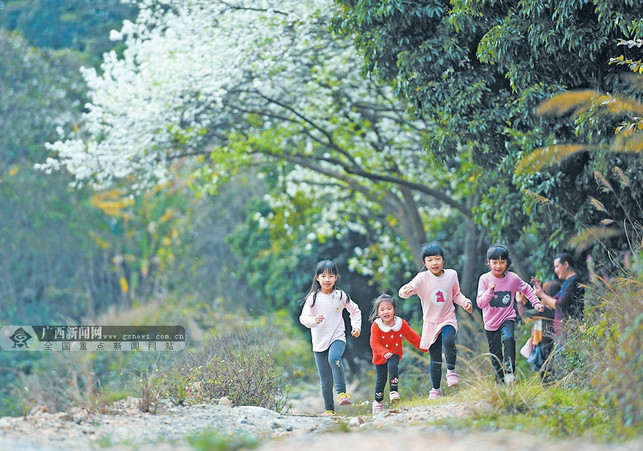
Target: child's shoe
<point>452,378</point>
<point>328,413</point>
<point>394,396</point>
<point>343,399</point>
<point>377,407</point>
<point>435,393</point>
<point>509,378</point>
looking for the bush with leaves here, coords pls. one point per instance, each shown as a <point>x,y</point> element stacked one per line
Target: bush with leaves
<point>607,350</point>
<point>240,366</point>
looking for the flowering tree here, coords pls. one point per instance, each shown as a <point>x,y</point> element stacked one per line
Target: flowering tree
<point>232,84</point>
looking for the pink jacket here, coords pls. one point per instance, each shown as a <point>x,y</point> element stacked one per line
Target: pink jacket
<point>498,304</point>
<point>438,295</point>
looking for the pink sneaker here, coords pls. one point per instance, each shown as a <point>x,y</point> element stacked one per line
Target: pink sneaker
<point>435,393</point>
<point>394,396</point>
<point>452,378</point>
<point>377,407</point>
<point>343,399</point>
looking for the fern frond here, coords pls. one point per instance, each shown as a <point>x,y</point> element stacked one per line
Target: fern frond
<point>591,235</point>
<point>620,175</point>
<point>628,143</point>
<point>597,204</point>
<point>537,197</point>
<point>620,105</point>
<point>577,102</point>
<point>562,104</point>
<point>605,185</point>
<point>548,156</point>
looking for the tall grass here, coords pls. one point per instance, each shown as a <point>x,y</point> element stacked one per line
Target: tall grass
<point>607,352</point>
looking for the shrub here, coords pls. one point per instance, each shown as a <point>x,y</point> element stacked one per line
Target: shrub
<point>607,351</point>
<point>240,366</point>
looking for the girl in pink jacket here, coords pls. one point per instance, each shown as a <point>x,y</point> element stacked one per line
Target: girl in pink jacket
<point>438,290</point>
<point>496,296</point>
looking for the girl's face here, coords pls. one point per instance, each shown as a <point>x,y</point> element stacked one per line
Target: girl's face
<point>498,267</point>
<point>326,281</point>
<point>386,311</point>
<point>434,263</point>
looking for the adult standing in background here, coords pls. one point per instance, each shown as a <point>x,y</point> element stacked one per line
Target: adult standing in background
<point>569,301</point>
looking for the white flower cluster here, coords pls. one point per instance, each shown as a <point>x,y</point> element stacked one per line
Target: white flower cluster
<point>198,74</point>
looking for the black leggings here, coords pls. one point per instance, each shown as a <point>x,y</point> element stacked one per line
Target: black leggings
<point>446,337</point>
<point>383,371</point>
<point>502,340</point>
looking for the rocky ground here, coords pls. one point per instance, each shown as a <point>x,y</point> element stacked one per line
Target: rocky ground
<point>127,428</point>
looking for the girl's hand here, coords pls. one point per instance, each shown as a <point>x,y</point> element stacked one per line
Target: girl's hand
<point>492,286</point>
<point>319,319</point>
<point>407,290</point>
<point>355,332</point>
<point>388,355</point>
<point>538,288</point>
<point>469,307</point>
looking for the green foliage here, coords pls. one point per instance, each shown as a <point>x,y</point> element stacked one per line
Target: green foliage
<point>74,24</point>
<point>213,440</point>
<point>141,234</point>
<point>41,89</point>
<point>477,70</point>
<point>608,174</point>
<point>606,350</point>
<point>568,412</point>
<point>49,264</point>
<point>548,412</point>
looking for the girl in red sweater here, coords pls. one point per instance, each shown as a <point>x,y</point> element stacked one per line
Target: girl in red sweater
<point>387,332</point>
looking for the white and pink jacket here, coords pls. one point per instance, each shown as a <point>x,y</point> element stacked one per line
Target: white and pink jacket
<point>332,327</point>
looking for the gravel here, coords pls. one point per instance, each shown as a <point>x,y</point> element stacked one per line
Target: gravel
<point>125,427</point>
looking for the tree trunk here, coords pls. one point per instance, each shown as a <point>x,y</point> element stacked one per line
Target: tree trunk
<point>468,282</point>
<point>413,228</point>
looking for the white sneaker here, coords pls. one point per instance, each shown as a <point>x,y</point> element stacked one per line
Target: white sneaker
<point>377,407</point>
<point>509,378</point>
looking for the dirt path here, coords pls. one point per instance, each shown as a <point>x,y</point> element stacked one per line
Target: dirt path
<point>126,428</point>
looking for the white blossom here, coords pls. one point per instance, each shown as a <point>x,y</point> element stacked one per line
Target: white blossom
<point>194,72</point>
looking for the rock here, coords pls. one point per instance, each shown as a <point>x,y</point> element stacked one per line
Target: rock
<point>38,410</point>
<point>225,401</point>
<point>356,422</point>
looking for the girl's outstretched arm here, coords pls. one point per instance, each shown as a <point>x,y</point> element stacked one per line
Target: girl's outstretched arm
<point>530,294</point>
<point>460,298</point>
<point>411,335</point>
<point>406,291</point>
<point>355,316</point>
